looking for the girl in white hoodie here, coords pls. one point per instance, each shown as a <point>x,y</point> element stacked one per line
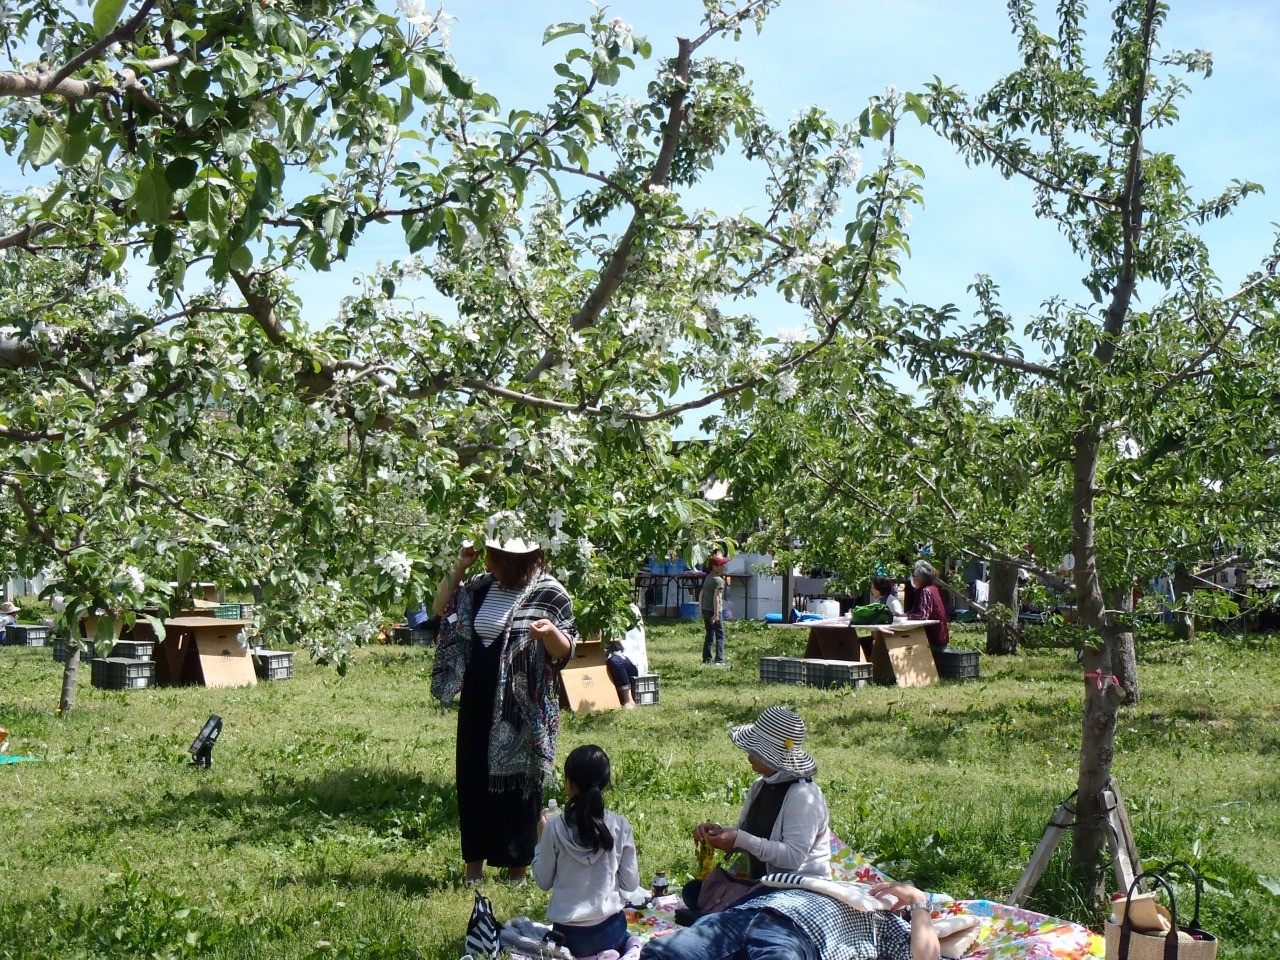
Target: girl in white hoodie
<point>587,859</point>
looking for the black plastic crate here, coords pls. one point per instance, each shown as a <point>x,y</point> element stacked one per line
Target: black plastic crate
<point>957,664</point>
<point>836,673</point>
<point>782,670</point>
<point>134,649</point>
<point>273,664</point>
<point>118,673</point>
<point>62,648</point>
<point>645,690</point>
<point>27,634</point>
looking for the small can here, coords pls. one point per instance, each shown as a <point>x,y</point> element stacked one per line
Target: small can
<point>660,885</point>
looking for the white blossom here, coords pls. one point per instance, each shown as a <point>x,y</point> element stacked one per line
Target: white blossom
<point>555,519</point>
<point>136,392</point>
<point>788,386</point>
<point>136,580</point>
<point>397,565</point>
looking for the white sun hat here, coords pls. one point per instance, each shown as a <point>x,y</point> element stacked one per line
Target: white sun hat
<point>513,545</point>
<point>776,739</point>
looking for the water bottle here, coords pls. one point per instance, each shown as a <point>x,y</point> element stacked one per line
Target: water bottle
<point>553,808</point>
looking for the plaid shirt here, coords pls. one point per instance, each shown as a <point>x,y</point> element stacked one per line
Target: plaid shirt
<point>839,931</point>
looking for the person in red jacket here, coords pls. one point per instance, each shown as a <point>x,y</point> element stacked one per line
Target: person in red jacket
<point>928,604</point>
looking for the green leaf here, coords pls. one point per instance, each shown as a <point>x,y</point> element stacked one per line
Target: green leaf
<point>558,30</point>
<point>152,198</point>
<point>180,172</point>
<point>118,185</point>
<point>44,143</point>
<point>106,14</point>
<point>161,246</point>
<point>425,82</point>
<point>236,143</point>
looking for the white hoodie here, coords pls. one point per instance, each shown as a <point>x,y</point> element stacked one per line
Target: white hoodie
<point>587,886</point>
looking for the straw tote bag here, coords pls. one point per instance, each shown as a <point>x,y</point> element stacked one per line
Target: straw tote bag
<point>1179,943</point>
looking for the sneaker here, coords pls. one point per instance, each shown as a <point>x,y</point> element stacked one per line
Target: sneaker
<point>720,663</point>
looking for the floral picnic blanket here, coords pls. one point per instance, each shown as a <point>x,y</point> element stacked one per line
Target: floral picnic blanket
<point>1007,933</point>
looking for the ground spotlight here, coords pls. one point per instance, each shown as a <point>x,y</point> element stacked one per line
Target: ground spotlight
<point>201,748</point>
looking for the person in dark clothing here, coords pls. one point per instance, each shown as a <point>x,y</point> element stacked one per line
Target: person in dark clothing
<point>506,633</point>
<point>929,605</point>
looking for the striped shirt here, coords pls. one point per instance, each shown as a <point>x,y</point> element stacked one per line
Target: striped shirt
<point>492,617</point>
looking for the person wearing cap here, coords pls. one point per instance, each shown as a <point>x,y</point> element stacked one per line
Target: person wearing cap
<point>8,615</point>
<point>508,630</point>
<point>711,602</point>
<point>785,826</point>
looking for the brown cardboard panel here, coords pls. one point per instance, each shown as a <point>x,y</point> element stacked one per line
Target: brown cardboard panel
<point>223,661</point>
<point>588,653</point>
<point>832,643</point>
<point>588,689</point>
<point>903,658</point>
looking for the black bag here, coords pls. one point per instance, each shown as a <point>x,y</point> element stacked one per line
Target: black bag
<point>482,929</point>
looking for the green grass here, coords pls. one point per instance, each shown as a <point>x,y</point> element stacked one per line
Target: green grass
<point>327,826</point>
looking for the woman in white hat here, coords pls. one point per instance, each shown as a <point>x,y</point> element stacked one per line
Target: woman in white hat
<point>8,615</point>
<point>505,634</point>
<point>785,826</point>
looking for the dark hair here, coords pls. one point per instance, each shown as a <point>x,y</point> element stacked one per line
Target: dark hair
<point>513,570</point>
<point>884,586</point>
<point>588,767</point>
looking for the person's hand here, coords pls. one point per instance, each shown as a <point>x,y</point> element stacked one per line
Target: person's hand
<point>542,630</point>
<point>724,838</point>
<point>716,618</point>
<point>467,556</point>
<point>900,893</point>
<point>704,830</point>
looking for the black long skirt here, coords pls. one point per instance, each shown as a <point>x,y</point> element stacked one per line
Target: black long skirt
<point>499,827</point>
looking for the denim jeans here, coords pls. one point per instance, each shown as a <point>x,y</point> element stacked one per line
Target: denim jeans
<point>734,935</point>
<point>610,934</point>
<point>715,633</point>
<point>622,671</point>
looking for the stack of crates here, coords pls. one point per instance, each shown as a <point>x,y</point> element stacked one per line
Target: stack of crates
<point>122,673</point>
<point>836,673</point>
<point>273,664</point>
<point>129,667</point>
<point>645,690</point>
<point>27,634</point>
<point>957,664</point>
<point>782,670</point>
<point>62,648</point>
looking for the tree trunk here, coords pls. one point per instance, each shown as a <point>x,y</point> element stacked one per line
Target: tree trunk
<point>1101,697</point>
<point>67,702</point>
<point>1124,658</point>
<point>1004,631</point>
<point>1184,623</point>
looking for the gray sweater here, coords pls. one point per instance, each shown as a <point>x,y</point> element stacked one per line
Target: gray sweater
<point>801,838</point>
<point>587,886</point>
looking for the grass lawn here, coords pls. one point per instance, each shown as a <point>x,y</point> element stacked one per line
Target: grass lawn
<point>327,826</point>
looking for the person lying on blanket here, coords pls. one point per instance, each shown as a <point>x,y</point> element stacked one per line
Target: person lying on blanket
<point>784,827</point>
<point>798,924</point>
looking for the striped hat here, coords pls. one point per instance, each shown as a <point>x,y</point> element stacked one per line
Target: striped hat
<point>775,739</point>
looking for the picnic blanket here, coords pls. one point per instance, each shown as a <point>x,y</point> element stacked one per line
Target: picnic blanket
<point>1006,933</point>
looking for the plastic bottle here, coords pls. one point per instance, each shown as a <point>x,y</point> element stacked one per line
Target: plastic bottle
<point>660,885</point>
<point>553,808</point>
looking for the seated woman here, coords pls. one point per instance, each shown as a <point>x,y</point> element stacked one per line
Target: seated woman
<point>884,590</point>
<point>929,605</point>
<point>628,659</point>
<point>785,826</point>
